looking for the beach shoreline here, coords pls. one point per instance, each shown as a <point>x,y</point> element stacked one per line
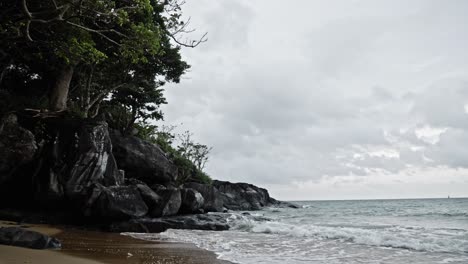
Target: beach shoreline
<point>93,247</point>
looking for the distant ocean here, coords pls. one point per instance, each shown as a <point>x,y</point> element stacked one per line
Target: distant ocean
<point>367,231</point>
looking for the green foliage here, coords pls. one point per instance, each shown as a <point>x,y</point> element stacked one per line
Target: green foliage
<point>117,48</point>
<point>164,138</point>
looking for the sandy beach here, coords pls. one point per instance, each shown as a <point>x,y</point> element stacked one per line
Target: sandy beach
<point>90,247</point>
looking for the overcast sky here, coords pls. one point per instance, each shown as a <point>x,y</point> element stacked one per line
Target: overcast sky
<point>330,99</point>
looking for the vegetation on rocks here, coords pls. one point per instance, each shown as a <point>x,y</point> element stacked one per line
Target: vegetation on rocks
<point>98,59</point>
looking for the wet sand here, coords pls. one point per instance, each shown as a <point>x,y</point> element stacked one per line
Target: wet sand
<point>89,247</point>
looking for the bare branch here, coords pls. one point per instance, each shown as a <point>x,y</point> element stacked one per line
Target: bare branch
<point>99,32</point>
<point>190,44</point>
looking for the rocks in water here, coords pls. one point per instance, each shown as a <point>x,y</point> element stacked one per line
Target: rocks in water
<point>282,204</point>
<point>118,202</point>
<point>142,160</point>
<point>15,236</point>
<point>170,202</point>
<point>211,196</point>
<point>222,196</point>
<point>192,201</point>
<point>242,196</point>
<point>147,225</point>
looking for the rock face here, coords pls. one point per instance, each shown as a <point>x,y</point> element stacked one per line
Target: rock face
<point>142,160</point>
<point>17,147</point>
<point>171,201</point>
<point>211,196</point>
<point>242,196</point>
<point>14,236</point>
<point>154,225</point>
<point>119,202</point>
<point>192,202</point>
<point>68,167</point>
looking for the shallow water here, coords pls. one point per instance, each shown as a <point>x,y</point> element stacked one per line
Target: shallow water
<point>368,231</point>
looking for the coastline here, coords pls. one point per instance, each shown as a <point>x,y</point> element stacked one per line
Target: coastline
<point>93,247</point>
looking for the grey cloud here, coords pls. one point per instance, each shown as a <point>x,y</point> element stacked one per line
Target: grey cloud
<point>297,95</point>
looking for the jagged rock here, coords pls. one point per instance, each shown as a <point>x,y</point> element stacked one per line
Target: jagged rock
<point>94,162</point>
<point>242,196</point>
<point>171,201</point>
<point>283,204</point>
<point>192,201</point>
<point>15,236</point>
<point>211,196</point>
<point>118,202</point>
<point>142,160</point>
<point>17,147</point>
<point>156,225</point>
<point>72,156</point>
<point>152,199</point>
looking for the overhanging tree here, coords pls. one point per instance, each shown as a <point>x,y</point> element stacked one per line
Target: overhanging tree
<point>95,46</point>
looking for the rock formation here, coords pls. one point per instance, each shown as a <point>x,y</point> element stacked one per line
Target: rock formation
<point>75,166</point>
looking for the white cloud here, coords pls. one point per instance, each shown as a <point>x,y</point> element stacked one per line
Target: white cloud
<point>360,92</point>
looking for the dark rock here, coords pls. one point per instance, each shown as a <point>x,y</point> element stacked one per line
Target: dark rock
<point>15,236</point>
<point>152,199</point>
<point>156,225</point>
<point>171,201</point>
<point>94,162</point>
<point>211,196</point>
<point>242,196</point>
<point>142,160</point>
<point>283,204</point>
<point>17,147</point>
<point>192,201</point>
<point>59,172</point>
<point>118,202</point>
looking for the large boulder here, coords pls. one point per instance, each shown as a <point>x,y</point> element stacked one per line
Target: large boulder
<point>17,147</point>
<point>192,201</point>
<point>171,201</point>
<point>155,225</point>
<point>242,196</point>
<point>15,236</point>
<point>117,202</point>
<point>76,155</point>
<point>211,196</point>
<point>150,197</point>
<point>94,162</point>
<point>143,160</point>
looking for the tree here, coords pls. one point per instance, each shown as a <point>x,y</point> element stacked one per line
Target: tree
<point>195,152</point>
<point>95,46</point>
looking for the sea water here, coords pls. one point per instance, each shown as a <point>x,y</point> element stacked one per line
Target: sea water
<point>366,231</point>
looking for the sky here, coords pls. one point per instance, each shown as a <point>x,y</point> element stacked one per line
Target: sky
<point>341,99</point>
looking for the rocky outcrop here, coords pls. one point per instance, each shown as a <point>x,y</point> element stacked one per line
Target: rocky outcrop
<point>242,196</point>
<point>155,225</point>
<point>118,202</point>
<point>15,236</point>
<point>17,147</point>
<point>192,202</point>
<point>142,160</point>
<point>68,167</point>
<point>211,196</point>
<point>170,202</point>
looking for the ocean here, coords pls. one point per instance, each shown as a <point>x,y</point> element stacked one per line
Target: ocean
<point>358,231</point>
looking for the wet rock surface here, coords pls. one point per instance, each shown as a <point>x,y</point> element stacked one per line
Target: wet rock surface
<point>192,201</point>
<point>155,225</point>
<point>212,201</point>
<point>19,237</point>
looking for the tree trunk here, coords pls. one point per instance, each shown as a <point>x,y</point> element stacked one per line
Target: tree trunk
<point>59,94</point>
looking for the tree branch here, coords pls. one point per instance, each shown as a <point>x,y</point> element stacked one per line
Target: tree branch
<point>99,32</point>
